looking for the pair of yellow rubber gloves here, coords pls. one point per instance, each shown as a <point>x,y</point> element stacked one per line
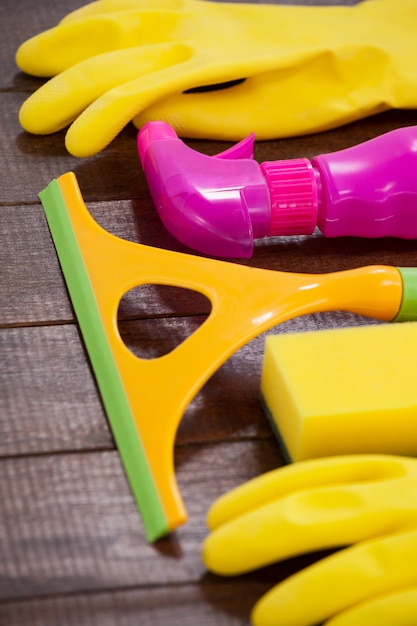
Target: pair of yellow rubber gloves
<point>282,70</point>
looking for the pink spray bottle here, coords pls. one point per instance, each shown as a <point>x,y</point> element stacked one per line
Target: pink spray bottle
<point>219,205</point>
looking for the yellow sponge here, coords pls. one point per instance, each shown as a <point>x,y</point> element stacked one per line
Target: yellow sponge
<point>342,391</point>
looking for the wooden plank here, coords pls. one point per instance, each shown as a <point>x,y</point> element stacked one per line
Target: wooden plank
<point>68,522</point>
<point>32,289</point>
<point>219,602</point>
<point>32,161</point>
<point>49,401</point>
<point>20,21</point>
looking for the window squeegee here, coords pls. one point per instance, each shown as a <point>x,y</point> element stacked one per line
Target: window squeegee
<point>99,268</point>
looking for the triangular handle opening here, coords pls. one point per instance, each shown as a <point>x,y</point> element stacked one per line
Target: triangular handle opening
<point>155,319</point>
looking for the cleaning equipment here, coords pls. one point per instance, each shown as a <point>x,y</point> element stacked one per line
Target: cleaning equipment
<point>218,70</point>
<point>366,502</point>
<point>219,205</point>
<point>342,391</point>
<point>100,268</point>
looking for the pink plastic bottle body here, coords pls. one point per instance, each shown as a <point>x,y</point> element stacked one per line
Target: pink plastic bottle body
<point>370,190</point>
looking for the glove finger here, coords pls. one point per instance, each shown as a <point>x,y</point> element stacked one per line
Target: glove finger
<point>97,126</point>
<point>64,46</point>
<point>392,609</point>
<point>311,520</point>
<point>59,101</point>
<point>341,581</point>
<point>343,470</point>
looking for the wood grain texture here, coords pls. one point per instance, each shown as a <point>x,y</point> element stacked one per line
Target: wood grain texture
<point>83,532</point>
<point>72,546</point>
<point>212,603</point>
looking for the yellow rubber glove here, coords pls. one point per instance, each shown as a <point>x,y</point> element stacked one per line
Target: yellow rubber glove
<point>366,502</point>
<point>305,68</point>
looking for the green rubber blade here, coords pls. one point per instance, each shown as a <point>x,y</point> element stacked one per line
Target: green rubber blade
<point>408,308</point>
<point>107,375</point>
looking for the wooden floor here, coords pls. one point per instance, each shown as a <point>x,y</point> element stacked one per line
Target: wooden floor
<point>72,546</point>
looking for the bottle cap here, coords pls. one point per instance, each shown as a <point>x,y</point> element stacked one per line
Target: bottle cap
<point>293,194</point>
